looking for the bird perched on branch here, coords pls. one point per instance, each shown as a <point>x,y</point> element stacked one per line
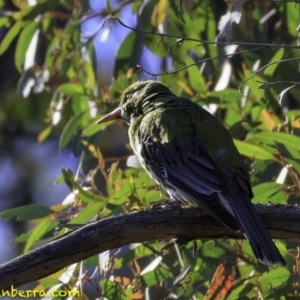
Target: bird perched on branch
<point>190,154</point>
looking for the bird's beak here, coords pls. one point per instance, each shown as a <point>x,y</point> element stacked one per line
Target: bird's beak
<point>115,114</point>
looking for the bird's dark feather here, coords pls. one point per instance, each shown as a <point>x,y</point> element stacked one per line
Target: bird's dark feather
<point>254,229</point>
<point>197,177</point>
<point>204,185</point>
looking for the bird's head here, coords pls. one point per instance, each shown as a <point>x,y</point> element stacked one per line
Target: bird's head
<point>137,100</point>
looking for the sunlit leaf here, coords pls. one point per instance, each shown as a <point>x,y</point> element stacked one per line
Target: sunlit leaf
<point>71,89</point>
<point>288,140</point>
<point>185,87</point>
<point>158,275</point>
<point>93,128</point>
<point>90,79</point>
<point>294,163</point>
<point>89,197</point>
<point>38,232</point>
<point>275,277</point>
<point>11,35</point>
<point>23,43</point>
<point>87,213</point>
<point>79,104</point>
<point>5,21</point>
<point>268,192</point>
<point>160,13</point>
<point>252,151</point>
<point>269,119</point>
<point>269,71</point>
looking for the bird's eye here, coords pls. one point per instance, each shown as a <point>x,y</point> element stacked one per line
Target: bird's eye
<point>128,97</point>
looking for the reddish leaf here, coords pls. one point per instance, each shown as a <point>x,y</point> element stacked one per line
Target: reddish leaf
<point>221,283</point>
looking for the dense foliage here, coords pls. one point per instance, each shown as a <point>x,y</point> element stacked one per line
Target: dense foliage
<point>254,92</point>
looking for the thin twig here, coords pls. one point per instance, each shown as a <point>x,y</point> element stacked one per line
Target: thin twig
<point>162,72</point>
<point>264,67</point>
<point>184,38</point>
<point>278,82</point>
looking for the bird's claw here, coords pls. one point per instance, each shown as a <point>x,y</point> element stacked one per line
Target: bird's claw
<point>181,241</point>
<point>167,204</point>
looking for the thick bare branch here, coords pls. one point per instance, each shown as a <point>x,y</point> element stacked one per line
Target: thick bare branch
<point>185,224</point>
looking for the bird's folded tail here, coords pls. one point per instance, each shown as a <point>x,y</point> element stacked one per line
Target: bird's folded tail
<point>254,229</point>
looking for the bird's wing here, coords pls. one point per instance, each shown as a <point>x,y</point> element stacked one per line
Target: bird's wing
<point>190,164</point>
<point>189,174</point>
<point>212,176</point>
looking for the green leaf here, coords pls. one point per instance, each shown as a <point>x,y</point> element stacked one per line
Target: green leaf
<point>152,196</point>
<point>111,290</point>
<point>45,133</point>
<point>269,71</point>
<point>49,282</point>
<point>24,42</point>
<point>79,104</point>
<point>275,277</point>
<point>212,250</point>
<point>87,213</point>
<point>93,128</point>
<point>5,21</point>
<point>71,89</point>
<point>269,147</point>
<point>23,237</point>
<point>288,140</point>
<point>90,78</point>
<point>156,276</point>
<point>71,129</point>
<point>88,197</point>
<point>291,18</point>
<point>247,290</point>
<point>295,163</point>
<point>252,151</point>
<point>266,192</point>
<point>26,212</point>
<point>31,12</point>
<point>195,77</point>
<point>254,87</point>
<point>68,178</point>
<point>38,232</point>
<point>11,34</point>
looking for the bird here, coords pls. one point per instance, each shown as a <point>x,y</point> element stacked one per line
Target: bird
<point>190,154</point>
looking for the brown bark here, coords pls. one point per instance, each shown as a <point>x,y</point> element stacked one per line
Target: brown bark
<point>185,224</point>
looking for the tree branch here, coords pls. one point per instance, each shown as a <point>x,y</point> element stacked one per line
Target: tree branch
<point>186,38</point>
<point>185,224</point>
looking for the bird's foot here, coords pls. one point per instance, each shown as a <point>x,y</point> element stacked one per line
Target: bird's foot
<point>181,241</point>
<point>166,244</point>
<point>167,204</point>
